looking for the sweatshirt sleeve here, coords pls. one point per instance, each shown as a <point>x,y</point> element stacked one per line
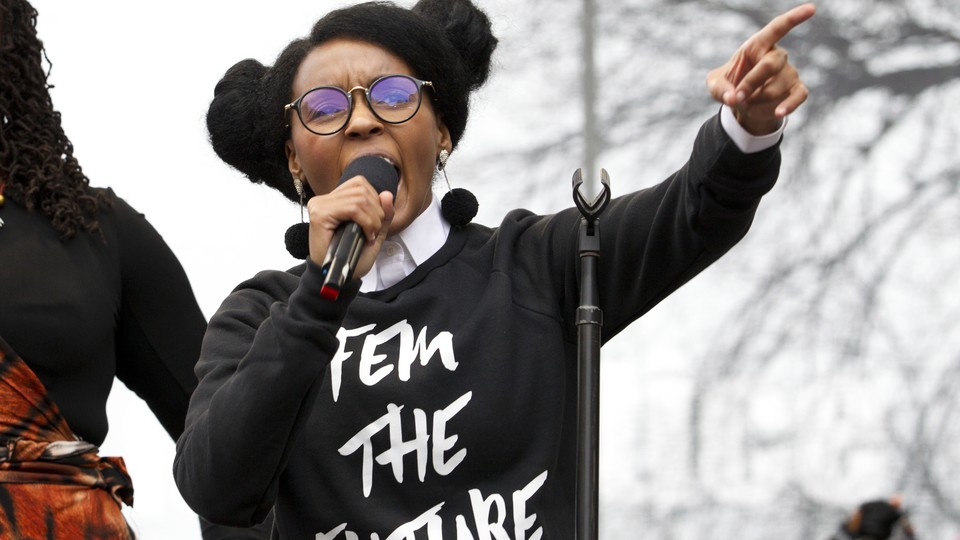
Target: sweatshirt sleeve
<point>262,361</point>
<point>660,238</point>
<point>654,240</point>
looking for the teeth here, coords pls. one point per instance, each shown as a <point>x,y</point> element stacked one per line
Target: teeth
<point>392,164</point>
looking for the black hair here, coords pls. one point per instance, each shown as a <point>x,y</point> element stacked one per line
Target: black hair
<point>447,42</point>
<point>37,165</point>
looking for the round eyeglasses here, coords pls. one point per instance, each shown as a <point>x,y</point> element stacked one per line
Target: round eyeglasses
<point>325,110</point>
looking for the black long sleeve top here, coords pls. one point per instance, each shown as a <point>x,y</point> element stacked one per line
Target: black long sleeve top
<point>82,311</point>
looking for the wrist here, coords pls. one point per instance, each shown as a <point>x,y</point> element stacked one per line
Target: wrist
<point>757,126</point>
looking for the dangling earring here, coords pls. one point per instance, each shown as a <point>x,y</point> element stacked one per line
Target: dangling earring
<point>458,206</point>
<point>297,237</point>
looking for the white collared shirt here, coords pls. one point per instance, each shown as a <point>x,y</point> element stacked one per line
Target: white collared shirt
<point>402,253</point>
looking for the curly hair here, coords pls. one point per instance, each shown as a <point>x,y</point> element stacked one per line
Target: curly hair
<point>448,42</point>
<point>37,166</point>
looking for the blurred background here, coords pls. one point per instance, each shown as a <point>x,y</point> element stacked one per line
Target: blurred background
<point>815,366</point>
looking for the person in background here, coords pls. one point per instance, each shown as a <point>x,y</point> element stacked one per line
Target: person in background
<point>433,394</point>
<point>877,520</point>
<point>89,291</point>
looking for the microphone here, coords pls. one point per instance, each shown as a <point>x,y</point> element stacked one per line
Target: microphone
<point>348,240</point>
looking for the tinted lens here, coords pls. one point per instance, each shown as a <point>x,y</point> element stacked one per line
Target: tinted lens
<point>395,98</point>
<point>324,110</point>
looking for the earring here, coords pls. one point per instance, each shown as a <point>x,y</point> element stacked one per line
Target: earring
<point>297,237</point>
<point>458,206</point>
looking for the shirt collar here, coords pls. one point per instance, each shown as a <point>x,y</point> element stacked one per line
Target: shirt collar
<point>426,235</point>
<point>421,239</point>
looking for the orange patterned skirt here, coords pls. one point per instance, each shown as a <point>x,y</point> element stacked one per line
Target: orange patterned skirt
<point>52,484</point>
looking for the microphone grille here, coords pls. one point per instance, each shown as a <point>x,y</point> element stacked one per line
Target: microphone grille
<point>378,171</point>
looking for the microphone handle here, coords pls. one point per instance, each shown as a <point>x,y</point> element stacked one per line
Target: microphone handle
<point>341,259</point>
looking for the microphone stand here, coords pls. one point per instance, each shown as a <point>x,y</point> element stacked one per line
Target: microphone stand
<point>589,323</point>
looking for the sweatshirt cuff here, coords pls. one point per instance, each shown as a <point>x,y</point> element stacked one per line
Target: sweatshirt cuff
<point>306,299</point>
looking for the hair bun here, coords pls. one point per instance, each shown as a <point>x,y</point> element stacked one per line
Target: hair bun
<point>232,120</point>
<point>468,28</point>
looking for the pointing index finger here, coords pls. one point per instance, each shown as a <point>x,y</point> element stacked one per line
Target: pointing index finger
<point>780,26</point>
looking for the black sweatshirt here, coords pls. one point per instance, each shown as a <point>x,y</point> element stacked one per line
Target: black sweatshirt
<point>446,404</point>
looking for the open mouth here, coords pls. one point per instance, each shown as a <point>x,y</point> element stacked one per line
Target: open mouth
<point>392,164</point>
<point>380,170</point>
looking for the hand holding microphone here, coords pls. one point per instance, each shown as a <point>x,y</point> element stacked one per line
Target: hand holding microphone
<point>348,240</point>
